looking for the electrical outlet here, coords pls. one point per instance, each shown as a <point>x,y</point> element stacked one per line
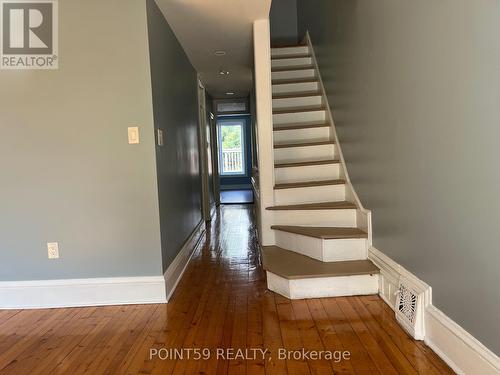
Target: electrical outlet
<point>53,250</point>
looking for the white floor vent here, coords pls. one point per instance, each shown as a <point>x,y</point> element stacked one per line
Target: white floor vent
<point>411,302</point>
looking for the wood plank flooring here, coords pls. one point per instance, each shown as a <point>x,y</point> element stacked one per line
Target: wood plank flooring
<point>220,303</point>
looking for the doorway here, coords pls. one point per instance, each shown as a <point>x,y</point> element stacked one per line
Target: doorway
<point>205,116</point>
<point>235,159</point>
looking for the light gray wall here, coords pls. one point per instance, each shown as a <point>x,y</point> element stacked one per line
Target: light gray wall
<point>67,173</point>
<point>415,86</point>
<point>175,103</point>
<point>283,20</point>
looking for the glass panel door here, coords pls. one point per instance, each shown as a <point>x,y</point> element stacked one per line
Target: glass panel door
<point>231,148</point>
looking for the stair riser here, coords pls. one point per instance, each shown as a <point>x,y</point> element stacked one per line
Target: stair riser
<point>323,250</point>
<point>304,101</point>
<point>296,62</point>
<point>323,286</point>
<point>290,88</point>
<point>312,194</point>
<point>307,173</point>
<point>325,218</point>
<point>294,74</point>
<point>298,135</point>
<point>299,117</point>
<point>346,249</point>
<point>289,51</point>
<point>306,153</point>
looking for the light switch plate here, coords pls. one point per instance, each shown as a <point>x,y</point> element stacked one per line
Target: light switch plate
<point>53,250</point>
<point>160,137</point>
<point>133,135</point>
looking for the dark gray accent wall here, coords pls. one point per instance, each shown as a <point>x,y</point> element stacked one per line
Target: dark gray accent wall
<point>175,104</point>
<point>415,89</point>
<point>283,20</point>
<point>67,172</point>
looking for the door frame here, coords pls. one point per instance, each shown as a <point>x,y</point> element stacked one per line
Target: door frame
<point>202,149</point>
<point>244,139</point>
<point>215,158</point>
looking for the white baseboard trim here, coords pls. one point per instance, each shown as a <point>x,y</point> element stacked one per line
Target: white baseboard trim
<point>42,294</point>
<point>458,348</point>
<point>174,272</point>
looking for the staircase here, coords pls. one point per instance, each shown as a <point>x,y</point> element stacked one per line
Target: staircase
<point>320,250</point>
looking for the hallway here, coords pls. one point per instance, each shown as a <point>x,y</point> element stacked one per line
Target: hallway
<point>221,302</point>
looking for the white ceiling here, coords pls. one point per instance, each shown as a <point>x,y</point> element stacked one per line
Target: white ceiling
<point>205,26</point>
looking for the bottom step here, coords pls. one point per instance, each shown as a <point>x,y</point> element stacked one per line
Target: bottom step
<point>296,276</point>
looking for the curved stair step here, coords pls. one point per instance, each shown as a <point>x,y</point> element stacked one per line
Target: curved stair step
<point>324,243</point>
<point>297,276</point>
<point>291,265</point>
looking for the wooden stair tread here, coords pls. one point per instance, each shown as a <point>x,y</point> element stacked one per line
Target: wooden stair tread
<point>304,144</point>
<point>289,69</point>
<point>294,80</point>
<point>299,109</point>
<point>295,56</point>
<point>291,265</point>
<point>300,126</point>
<point>288,45</point>
<point>342,205</point>
<point>302,184</point>
<point>306,163</point>
<point>326,233</point>
<point>300,94</point>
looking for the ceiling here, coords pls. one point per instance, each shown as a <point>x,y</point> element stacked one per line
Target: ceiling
<point>205,26</point>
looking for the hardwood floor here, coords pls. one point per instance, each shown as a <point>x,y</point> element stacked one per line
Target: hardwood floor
<point>221,302</point>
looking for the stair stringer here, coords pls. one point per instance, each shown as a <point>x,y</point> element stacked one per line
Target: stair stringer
<point>363,215</point>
